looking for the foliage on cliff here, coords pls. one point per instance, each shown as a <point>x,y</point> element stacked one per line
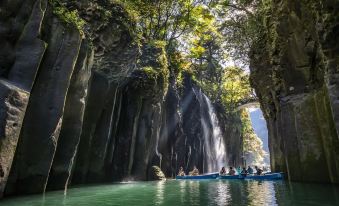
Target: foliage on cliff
<point>204,39</point>
<point>154,64</point>
<point>70,18</point>
<point>165,20</point>
<point>201,38</point>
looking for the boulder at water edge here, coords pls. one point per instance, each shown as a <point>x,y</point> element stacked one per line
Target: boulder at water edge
<point>155,173</point>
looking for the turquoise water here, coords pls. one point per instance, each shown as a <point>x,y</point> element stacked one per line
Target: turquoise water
<point>175,193</point>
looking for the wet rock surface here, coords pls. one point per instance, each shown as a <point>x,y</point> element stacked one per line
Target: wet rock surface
<point>156,174</point>
<point>92,104</point>
<point>13,105</point>
<point>293,70</point>
<point>101,107</point>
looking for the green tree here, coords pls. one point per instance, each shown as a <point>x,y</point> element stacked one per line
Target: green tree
<point>207,53</point>
<point>244,25</point>
<point>165,20</point>
<point>201,37</point>
<point>236,88</point>
<point>174,22</point>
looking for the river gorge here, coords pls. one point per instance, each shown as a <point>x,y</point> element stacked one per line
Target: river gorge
<point>100,104</point>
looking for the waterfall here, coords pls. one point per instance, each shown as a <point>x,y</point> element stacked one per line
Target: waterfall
<point>188,156</point>
<point>214,146</point>
<point>218,140</point>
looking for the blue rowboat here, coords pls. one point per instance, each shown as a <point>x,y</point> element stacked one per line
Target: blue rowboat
<point>268,176</point>
<point>199,177</point>
<point>231,177</point>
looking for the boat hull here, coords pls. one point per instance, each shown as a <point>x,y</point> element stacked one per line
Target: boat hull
<point>270,176</point>
<point>230,177</point>
<point>199,177</point>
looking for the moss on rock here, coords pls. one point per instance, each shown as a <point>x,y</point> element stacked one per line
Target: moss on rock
<point>70,18</point>
<point>156,174</point>
<point>291,76</point>
<point>152,72</point>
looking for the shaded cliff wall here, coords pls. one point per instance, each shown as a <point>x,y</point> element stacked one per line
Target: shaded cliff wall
<point>49,58</point>
<point>88,103</point>
<point>182,139</point>
<point>294,71</point>
<point>231,126</point>
<point>25,58</point>
<point>122,126</point>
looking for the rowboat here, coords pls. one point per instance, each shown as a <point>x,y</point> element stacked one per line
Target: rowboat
<point>267,176</point>
<point>209,176</point>
<point>231,177</point>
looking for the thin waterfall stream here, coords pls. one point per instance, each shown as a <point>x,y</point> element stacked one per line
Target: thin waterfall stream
<point>214,145</point>
<point>218,144</point>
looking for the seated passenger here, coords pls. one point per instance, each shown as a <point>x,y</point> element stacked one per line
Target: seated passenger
<point>244,172</point>
<point>231,171</point>
<point>250,170</point>
<point>239,170</point>
<point>259,171</point>
<point>194,172</point>
<point>181,172</point>
<point>264,169</point>
<point>223,171</point>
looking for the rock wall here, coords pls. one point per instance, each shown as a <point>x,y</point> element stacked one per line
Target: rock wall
<point>88,104</point>
<point>48,63</point>
<point>231,124</point>
<point>182,138</point>
<point>294,71</point>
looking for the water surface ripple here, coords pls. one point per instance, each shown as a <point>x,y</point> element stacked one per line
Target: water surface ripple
<point>176,193</point>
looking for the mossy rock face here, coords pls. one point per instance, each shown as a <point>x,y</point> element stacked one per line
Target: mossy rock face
<point>111,31</point>
<point>151,75</point>
<point>294,72</point>
<point>71,18</point>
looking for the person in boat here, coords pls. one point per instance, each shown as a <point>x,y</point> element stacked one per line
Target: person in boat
<point>244,172</point>
<point>259,171</point>
<point>223,171</point>
<point>250,170</point>
<point>264,169</point>
<point>181,172</point>
<point>231,171</point>
<point>239,170</point>
<point>194,172</point>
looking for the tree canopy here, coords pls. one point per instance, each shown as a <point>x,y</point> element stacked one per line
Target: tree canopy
<point>211,40</point>
<point>206,38</point>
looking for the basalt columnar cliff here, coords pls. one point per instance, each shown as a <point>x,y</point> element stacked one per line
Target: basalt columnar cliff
<point>294,69</point>
<point>90,103</point>
<point>83,99</point>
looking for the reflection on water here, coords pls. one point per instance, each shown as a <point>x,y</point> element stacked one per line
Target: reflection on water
<point>182,186</point>
<point>262,193</point>
<point>223,196</point>
<point>194,192</point>
<point>160,193</point>
<point>176,193</point>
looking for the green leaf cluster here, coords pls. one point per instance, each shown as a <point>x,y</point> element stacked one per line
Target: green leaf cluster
<point>70,18</point>
<point>163,20</point>
<point>154,63</point>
